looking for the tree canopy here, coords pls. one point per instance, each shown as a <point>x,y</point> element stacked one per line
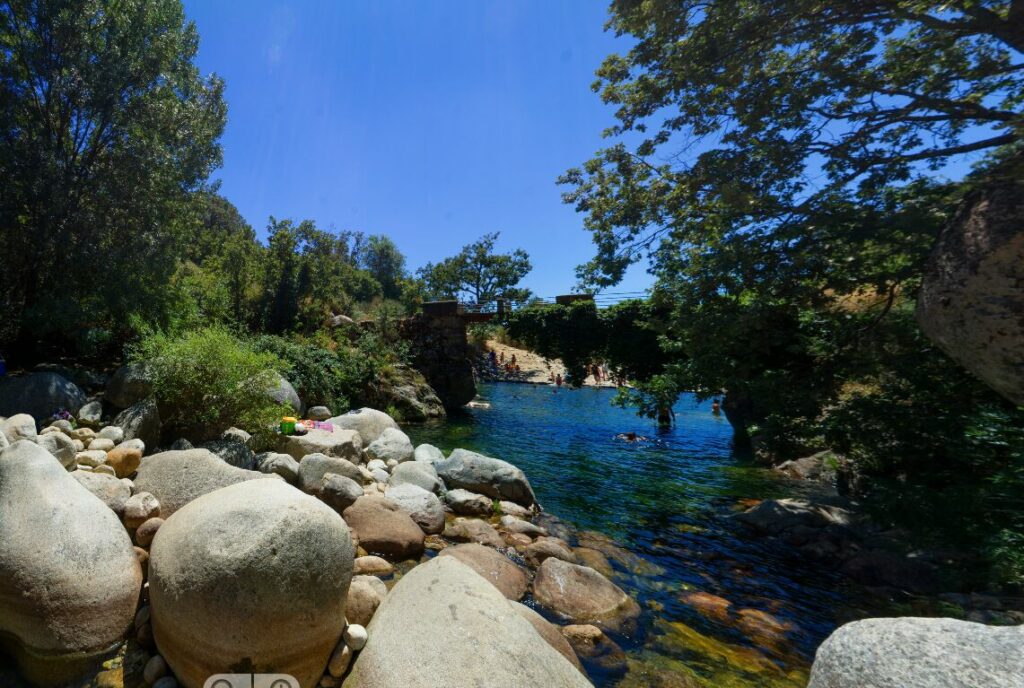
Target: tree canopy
<point>381,258</point>
<point>478,273</point>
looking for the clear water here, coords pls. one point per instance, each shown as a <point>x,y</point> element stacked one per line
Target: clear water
<point>666,500</point>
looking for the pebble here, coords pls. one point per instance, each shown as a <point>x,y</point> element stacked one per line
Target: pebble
<point>340,660</point>
<point>155,669</point>
<point>104,468</point>
<point>101,444</point>
<point>355,637</point>
<point>371,565</point>
<point>145,532</point>
<point>140,508</point>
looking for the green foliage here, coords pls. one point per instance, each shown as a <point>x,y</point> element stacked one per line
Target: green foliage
<point>478,273</point>
<point>208,380</point>
<point>381,258</point>
<point>319,375</point>
<point>108,128</point>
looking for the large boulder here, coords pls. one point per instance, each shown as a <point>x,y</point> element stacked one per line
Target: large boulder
<point>923,653</point>
<point>423,507</point>
<point>427,453</point>
<point>69,578</point>
<point>344,444</point>
<point>39,394</point>
<point>141,421</point>
<point>407,392</point>
<point>469,503</point>
<point>383,528</point>
<point>281,464</point>
<point>391,445</point>
<point>971,303</point>
<point>233,453</point>
<point>112,491</point>
<point>416,473</point>
<point>492,477</point>
<point>509,578</point>
<point>61,446</point>
<point>20,426</point>
<point>252,576</point>
<point>176,478</point>
<point>129,385</point>
<point>282,392</point>
<point>583,596</point>
<point>550,633</point>
<point>314,467</point>
<point>368,422</point>
<point>443,620</point>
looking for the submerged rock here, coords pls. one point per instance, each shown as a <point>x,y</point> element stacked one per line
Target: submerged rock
<point>69,578</point>
<point>923,653</point>
<point>253,576</point>
<point>444,620</point>
<point>583,596</point>
<point>777,515</point>
<point>550,633</point>
<point>491,477</point>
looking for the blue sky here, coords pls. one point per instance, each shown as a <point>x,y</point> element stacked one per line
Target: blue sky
<point>431,122</point>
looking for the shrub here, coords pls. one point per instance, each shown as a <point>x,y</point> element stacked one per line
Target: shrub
<point>318,374</point>
<point>208,380</point>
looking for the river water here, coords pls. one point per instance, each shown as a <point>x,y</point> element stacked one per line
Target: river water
<point>666,501</point>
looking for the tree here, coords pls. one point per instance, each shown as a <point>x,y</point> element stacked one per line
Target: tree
<point>758,111</point>
<point>381,258</point>
<point>477,272</point>
<point>106,128</point>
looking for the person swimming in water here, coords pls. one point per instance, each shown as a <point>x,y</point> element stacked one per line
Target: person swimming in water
<point>716,408</point>
<point>630,437</point>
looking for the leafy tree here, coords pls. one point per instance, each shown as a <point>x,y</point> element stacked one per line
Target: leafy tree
<point>757,112</point>
<point>380,257</point>
<point>106,128</point>
<point>478,273</point>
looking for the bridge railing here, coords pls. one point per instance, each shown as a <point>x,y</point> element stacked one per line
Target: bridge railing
<point>487,310</point>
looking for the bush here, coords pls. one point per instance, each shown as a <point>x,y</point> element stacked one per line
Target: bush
<point>319,375</point>
<point>208,380</point>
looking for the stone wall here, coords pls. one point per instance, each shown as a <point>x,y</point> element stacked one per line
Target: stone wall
<point>441,351</point>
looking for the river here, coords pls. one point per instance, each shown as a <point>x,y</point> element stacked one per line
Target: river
<point>666,500</point>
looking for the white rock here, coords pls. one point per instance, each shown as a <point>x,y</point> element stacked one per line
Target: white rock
<point>355,636</point>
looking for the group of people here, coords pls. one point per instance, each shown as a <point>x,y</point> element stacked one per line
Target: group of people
<point>510,367</point>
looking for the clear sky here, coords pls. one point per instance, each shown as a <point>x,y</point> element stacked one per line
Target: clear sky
<point>431,122</point>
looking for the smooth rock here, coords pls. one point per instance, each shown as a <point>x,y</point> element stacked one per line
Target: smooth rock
<point>21,426</point>
<point>320,413</point>
<point>364,596</point>
<point>422,506</point>
<point>923,653</point>
<point>473,530</point>
<point>155,668</point>
<point>590,643</point>
<point>416,473</point>
<point>384,529</point>
<point>546,547</point>
<point>583,596</point>
<point>69,578</point>
<point>124,460</point>
<point>39,395</point>
<point>91,458</point>
<point>340,660</point>
<point>175,478</point>
<point>374,566</point>
<point>104,468</point>
<point>279,464</point>
<point>491,477</point>
<point>550,633</point>
<point>380,475</point>
<point>282,392</point>
<point>129,385</point>
<point>494,566</point>
<point>109,489</point>
<point>374,464</point>
<point>368,422</point>
<point>391,445</point>
<point>512,509</point>
<point>233,434</point>
<point>139,508</point>
<point>342,444</point>
<point>233,453</point>
<point>313,468</point>
<point>141,421</point>
<point>777,515</point>
<point>91,413</point>
<point>255,574</point>
<point>112,433</point>
<point>145,533</point>
<point>61,446</point>
<point>355,636</point>
<point>469,503</point>
<point>517,525</point>
<point>339,492</point>
<point>102,444</point>
<point>427,453</point>
<point>486,642</point>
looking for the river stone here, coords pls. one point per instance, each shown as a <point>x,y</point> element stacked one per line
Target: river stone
<point>339,492</point>
<point>343,444</point>
<point>364,596</point>
<point>415,473</point>
<point>777,515</point>
<point>383,528</point>
<point>591,643</point>
<point>546,547</point>
<point>550,633</point>
<point>427,453</point>
<point>129,385</point>
<point>101,444</point>
<point>491,477</point>
<point>372,565</point>
<point>4,442</point>
<point>112,433</point>
<point>141,421</point>
<point>39,395</point>
<point>514,524</point>
<point>582,595</point>
<point>139,508</point>
<point>231,452</point>
<point>256,575</point>
<point>424,507</point>
<point>314,467</point>
<point>69,578</point>
<point>281,464</point>
<point>19,427</point>
<point>391,445</point>
<point>494,566</point>
<point>368,422</point>
<point>109,489</point>
<point>473,530</point>
<point>124,460</point>
<point>320,413</point>
<point>61,446</point>
<point>486,642</point>
<point>91,458</point>
<point>923,653</point>
<point>469,503</point>
<point>175,478</point>
<point>91,413</point>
